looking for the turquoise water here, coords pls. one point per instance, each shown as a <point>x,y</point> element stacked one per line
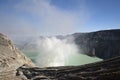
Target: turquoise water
<point>80,59</point>
<point>31,54</point>
<point>73,60</point>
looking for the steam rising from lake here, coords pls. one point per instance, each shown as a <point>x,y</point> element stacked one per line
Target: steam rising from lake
<point>54,51</point>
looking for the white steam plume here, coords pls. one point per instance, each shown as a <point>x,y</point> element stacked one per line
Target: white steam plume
<point>54,51</point>
<point>40,17</point>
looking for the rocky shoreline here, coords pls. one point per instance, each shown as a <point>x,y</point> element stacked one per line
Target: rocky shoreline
<point>104,70</point>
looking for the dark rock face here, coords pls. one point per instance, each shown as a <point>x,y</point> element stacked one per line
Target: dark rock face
<point>103,44</point>
<point>104,70</point>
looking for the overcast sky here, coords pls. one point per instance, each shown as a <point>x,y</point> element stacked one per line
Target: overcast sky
<point>55,17</point>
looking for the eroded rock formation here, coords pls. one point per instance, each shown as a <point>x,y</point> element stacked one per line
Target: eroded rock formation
<point>10,59</point>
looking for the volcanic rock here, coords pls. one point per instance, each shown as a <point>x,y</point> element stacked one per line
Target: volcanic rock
<point>104,44</point>
<point>10,59</point>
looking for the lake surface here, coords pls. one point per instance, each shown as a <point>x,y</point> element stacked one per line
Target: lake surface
<point>72,60</point>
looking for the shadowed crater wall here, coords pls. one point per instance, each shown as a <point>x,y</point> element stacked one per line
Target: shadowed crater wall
<point>103,44</point>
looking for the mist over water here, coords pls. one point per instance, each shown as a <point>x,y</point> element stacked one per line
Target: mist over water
<point>54,51</point>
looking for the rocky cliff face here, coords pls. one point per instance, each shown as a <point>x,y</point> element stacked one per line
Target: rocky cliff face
<point>103,44</point>
<point>10,59</point>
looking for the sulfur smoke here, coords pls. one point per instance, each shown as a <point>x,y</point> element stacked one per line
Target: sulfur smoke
<point>54,51</point>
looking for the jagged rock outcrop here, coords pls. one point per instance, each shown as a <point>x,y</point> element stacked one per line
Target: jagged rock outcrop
<point>104,70</point>
<point>10,59</point>
<point>103,44</point>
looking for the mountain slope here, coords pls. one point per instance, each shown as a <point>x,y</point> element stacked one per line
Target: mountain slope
<point>10,59</point>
